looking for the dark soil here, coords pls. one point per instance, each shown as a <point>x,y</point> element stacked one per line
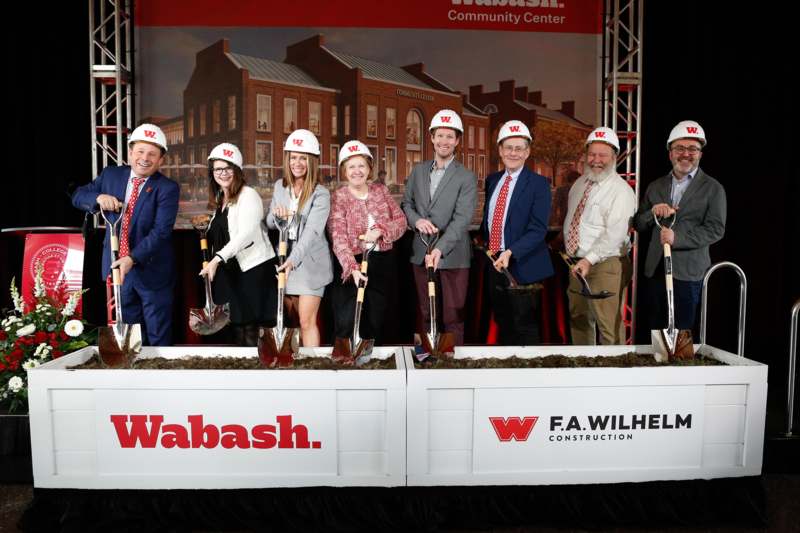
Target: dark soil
<point>240,363</point>
<point>627,360</point>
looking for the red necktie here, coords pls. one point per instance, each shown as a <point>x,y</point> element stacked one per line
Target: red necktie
<point>124,246</point>
<point>496,233</point>
<point>572,234</point>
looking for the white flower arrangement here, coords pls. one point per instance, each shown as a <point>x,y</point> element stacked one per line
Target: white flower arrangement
<point>26,330</point>
<point>73,328</point>
<point>39,289</point>
<point>19,302</point>
<point>30,363</point>
<point>34,334</point>
<point>15,384</point>
<point>72,304</point>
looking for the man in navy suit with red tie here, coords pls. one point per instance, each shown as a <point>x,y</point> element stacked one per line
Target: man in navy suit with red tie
<point>146,259</point>
<point>515,215</point>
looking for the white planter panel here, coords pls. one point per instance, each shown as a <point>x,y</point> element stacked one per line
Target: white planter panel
<point>195,429</point>
<point>584,425</point>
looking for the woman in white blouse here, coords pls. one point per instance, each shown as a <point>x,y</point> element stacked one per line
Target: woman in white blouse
<point>239,242</point>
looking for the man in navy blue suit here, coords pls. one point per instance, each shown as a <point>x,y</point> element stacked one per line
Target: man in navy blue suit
<point>147,262</point>
<point>515,216</point>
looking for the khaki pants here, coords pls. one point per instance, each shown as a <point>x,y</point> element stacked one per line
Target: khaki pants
<point>612,275</point>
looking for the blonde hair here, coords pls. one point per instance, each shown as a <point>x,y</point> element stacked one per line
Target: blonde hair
<point>312,177</point>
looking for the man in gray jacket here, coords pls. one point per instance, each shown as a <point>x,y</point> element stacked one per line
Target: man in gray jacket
<point>698,202</point>
<point>440,197</point>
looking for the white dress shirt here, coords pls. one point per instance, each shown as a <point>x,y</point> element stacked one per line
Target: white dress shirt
<point>603,229</point>
<point>493,202</point>
<point>679,187</point>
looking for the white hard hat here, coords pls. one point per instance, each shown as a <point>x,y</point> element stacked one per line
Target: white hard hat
<point>149,133</point>
<point>604,135</point>
<point>351,148</point>
<point>514,128</point>
<point>687,129</point>
<point>227,152</point>
<point>302,141</point>
<point>446,118</point>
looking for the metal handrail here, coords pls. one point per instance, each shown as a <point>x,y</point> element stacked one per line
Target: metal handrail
<point>792,367</point>
<point>742,302</point>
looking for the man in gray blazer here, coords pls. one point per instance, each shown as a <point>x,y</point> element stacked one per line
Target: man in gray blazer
<point>440,196</point>
<point>698,202</point>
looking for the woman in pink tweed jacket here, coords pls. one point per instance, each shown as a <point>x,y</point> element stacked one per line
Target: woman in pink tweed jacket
<point>362,212</point>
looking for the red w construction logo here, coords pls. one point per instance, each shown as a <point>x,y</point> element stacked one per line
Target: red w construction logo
<point>691,129</point>
<point>514,128</point>
<point>298,142</point>
<point>513,427</point>
<point>150,133</point>
<point>600,134</point>
<point>445,119</point>
<point>353,147</point>
<point>228,153</point>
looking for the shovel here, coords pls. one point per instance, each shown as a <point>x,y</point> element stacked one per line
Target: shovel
<point>120,343</point>
<point>585,291</point>
<point>356,350</point>
<point>669,343</point>
<point>276,346</point>
<point>513,284</point>
<point>431,343</point>
<point>213,317</point>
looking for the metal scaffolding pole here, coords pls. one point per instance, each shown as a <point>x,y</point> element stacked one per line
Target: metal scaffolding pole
<point>621,103</point>
<point>110,61</point>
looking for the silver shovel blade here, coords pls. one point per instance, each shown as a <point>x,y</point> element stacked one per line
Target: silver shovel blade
<point>663,342</point>
<point>203,323</point>
<point>363,351</point>
<point>421,352</point>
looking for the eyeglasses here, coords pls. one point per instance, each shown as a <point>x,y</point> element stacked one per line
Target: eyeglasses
<point>513,149</point>
<point>223,170</point>
<point>694,150</point>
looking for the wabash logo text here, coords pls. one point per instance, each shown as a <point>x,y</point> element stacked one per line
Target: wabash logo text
<point>149,431</point>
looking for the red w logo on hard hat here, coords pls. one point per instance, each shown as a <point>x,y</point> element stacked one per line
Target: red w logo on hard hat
<point>228,153</point>
<point>298,142</point>
<point>514,128</point>
<point>691,129</point>
<point>150,133</point>
<point>445,119</point>
<point>353,148</point>
<point>600,134</point>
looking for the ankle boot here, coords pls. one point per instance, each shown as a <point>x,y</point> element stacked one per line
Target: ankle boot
<point>251,335</point>
<point>239,334</point>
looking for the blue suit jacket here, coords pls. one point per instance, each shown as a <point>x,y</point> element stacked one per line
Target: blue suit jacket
<point>150,232</point>
<point>526,225</point>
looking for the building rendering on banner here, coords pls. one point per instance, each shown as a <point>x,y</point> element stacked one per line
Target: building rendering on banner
<point>518,103</point>
<point>255,103</point>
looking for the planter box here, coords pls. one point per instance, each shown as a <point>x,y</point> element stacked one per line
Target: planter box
<point>204,429</point>
<point>584,425</point>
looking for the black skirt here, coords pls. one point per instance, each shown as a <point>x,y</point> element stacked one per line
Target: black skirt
<point>252,294</point>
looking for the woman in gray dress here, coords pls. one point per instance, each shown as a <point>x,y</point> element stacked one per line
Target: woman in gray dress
<point>308,265</point>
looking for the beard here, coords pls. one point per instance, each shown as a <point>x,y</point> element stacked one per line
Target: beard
<point>598,175</point>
